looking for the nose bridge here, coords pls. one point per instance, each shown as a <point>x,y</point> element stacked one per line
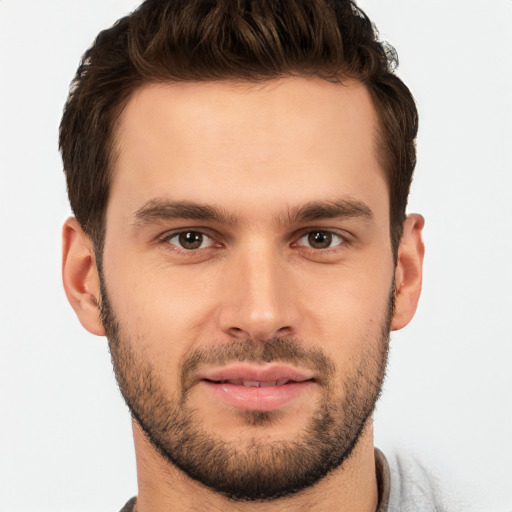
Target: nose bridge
<point>258,304</point>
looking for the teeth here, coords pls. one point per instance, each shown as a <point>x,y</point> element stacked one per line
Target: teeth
<point>256,383</point>
<point>252,383</point>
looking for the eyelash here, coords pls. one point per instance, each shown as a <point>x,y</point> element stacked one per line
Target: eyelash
<point>166,239</point>
<point>343,241</point>
<point>333,234</point>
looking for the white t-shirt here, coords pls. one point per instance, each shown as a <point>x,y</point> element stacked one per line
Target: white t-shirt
<point>406,486</point>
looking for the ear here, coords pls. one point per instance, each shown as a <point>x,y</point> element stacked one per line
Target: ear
<point>408,272</point>
<point>80,276</point>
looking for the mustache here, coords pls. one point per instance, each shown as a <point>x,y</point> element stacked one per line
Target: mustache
<point>274,350</point>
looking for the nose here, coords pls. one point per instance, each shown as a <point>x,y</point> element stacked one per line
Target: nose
<point>259,301</point>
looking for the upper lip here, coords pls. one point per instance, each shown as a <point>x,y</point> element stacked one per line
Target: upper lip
<point>239,373</point>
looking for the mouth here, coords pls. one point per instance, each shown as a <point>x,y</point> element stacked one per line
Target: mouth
<point>257,388</point>
<point>255,383</point>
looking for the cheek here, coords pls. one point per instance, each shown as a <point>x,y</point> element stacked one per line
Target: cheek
<point>349,316</point>
<point>161,311</point>
<point>168,311</point>
<point>350,296</point>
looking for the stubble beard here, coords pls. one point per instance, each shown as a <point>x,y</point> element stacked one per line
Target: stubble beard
<point>258,470</point>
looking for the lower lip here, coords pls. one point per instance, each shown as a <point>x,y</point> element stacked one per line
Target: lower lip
<point>255,398</point>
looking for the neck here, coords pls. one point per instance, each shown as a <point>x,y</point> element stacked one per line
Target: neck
<point>162,486</point>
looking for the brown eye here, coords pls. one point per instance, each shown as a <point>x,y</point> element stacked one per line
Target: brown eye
<point>190,240</point>
<point>320,240</point>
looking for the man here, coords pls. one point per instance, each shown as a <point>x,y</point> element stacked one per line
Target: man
<point>239,174</point>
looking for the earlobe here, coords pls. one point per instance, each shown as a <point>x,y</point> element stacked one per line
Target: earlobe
<point>408,272</point>
<point>80,276</point>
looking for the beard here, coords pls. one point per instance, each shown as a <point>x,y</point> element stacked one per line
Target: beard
<point>258,469</point>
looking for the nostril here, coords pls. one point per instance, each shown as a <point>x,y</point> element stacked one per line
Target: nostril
<point>237,332</point>
<point>264,334</point>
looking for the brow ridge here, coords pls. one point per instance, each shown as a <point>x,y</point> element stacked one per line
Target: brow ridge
<point>156,210</point>
<point>341,208</point>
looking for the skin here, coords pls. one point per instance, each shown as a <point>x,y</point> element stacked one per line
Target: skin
<point>259,153</point>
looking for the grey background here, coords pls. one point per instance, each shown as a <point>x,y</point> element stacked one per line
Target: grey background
<point>65,438</point>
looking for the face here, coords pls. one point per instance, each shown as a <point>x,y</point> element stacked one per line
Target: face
<point>247,277</point>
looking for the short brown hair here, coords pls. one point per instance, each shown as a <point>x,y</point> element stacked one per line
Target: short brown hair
<point>254,40</point>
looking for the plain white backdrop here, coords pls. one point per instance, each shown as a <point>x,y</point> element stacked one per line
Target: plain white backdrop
<point>65,437</point>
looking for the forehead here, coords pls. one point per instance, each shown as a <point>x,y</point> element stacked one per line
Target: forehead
<point>291,140</point>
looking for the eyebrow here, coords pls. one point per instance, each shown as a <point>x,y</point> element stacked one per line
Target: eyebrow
<point>161,210</point>
<point>157,210</point>
<point>343,208</point>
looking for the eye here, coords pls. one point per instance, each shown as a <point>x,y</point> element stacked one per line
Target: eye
<point>190,240</point>
<point>319,239</point>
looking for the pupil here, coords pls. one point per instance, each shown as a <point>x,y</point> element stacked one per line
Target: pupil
<point>320,239</point>
<point>191,240</point>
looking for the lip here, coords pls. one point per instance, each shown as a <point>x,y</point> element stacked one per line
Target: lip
<point>257,388</point>
<point>266,373</point>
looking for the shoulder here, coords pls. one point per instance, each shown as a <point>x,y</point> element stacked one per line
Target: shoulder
<point>412,487</point>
